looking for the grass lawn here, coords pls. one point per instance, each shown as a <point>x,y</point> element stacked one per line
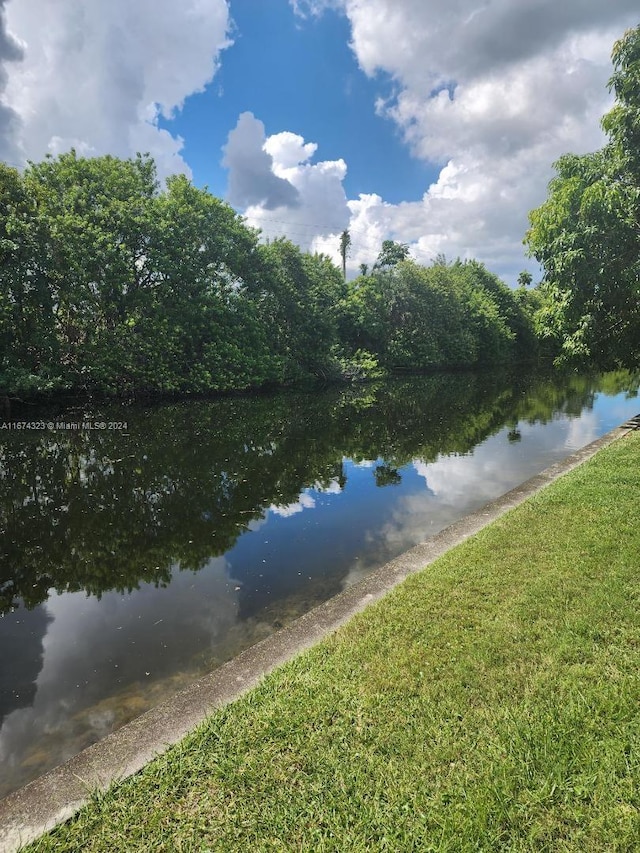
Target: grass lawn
<point>490,702</point>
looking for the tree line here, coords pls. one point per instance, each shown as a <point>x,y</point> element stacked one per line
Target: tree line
<point>111,284</point>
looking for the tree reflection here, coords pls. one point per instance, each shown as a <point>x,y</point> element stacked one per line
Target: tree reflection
<point>109,510</point>
<point>387,476</point>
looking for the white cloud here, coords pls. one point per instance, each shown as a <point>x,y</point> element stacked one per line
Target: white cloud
<point>306,8</point>
<point>492,93</point>
<point>283,193</point>
<point>288,151</point>
<point>97,76</point>
<point>253,176</point>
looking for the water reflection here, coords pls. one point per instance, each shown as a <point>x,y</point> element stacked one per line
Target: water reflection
<point>19,669</point>
<point>134,561</point>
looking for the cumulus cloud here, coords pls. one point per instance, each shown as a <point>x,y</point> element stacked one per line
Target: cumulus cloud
<point>491,93</point>
<point>252,179</point>
<point>97,76</point>
<point>281,191</point>
<point>443,41</point>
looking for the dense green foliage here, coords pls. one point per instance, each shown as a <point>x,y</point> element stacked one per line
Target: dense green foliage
<point>587,234</point>
<point>414,317</point>
<point>110,284</point>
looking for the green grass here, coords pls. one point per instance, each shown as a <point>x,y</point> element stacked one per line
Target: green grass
<point>490,702</point>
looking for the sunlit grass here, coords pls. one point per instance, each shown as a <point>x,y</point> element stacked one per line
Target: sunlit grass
<point>489,703</point>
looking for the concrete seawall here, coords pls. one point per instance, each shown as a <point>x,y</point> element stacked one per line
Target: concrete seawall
<point>55,796</point>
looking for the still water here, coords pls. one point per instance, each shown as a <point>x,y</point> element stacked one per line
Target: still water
<point>135,559</point>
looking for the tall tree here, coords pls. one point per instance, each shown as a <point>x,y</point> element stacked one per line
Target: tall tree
<point>345,244</point>
<point>412,317</point>
<point>587,234</point>
<point>96,223</point>
<point>392,253</point>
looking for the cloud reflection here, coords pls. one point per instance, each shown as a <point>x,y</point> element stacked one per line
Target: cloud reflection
<point>305,501</point>
<point>135,649</point>
<point>453,486</point>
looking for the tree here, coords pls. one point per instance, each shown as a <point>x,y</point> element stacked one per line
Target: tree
<point>392,253</point>
<point>109,284</point>
<point>299,296</point>
<point>95,226</point>
<point>622,123</point>
<point>412,317</point>
<point>206,261</point>
<point>28,346</point>
<point>587,234</point>
<point>345,244</point>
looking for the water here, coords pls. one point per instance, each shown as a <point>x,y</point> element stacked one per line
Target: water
<point>137,558</point>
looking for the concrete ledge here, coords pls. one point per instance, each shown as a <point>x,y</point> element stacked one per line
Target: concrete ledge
<point>54,797</point>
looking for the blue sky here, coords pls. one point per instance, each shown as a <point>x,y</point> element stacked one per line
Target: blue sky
<point>433,123</point>
<point>328,100</point>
